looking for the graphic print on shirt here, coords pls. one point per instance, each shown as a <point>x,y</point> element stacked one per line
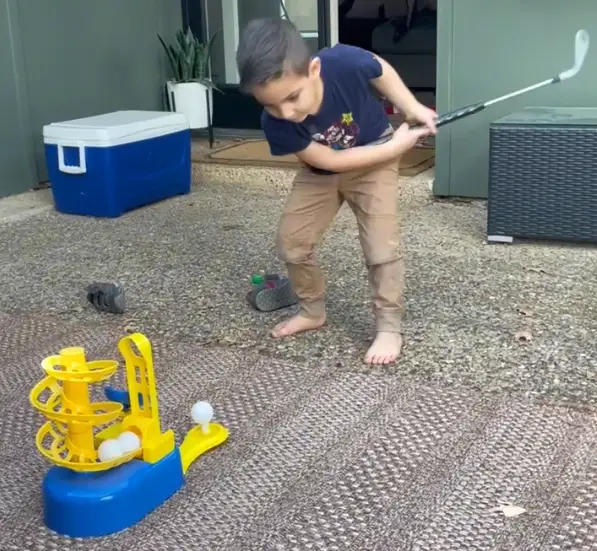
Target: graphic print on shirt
<point>340,135</point>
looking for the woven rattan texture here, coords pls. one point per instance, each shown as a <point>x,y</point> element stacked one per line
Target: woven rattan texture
<point>319,460</point>
<point>543,182</point>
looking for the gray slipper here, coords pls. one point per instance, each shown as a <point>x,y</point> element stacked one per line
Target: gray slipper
<point>106,297</point>
<point>271,293</point>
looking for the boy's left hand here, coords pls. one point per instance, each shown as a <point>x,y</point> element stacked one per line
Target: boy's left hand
<point>423,115</point>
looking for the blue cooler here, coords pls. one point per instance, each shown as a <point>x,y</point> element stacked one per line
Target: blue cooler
<point>107,165</point>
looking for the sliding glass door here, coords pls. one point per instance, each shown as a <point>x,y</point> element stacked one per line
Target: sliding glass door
<point>233,110</point>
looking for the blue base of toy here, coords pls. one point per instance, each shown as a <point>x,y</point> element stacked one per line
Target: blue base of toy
<point>84,505</point>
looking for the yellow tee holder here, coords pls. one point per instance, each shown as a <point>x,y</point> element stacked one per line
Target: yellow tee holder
<point>76,427</point>
<point>144,418</point>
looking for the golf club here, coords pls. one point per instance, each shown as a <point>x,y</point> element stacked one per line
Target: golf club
<point>581,47</point>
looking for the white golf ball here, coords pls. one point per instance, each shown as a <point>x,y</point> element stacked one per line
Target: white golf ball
<point>202,412</point>
<point>129,441</point>
<point>109,450</point>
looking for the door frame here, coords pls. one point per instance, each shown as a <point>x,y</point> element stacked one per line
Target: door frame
<point>233,110</point>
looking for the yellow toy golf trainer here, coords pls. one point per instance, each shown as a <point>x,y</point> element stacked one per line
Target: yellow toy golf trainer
<point>113,465</point>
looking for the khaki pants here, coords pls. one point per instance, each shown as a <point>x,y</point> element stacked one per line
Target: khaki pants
<point>312,205</point>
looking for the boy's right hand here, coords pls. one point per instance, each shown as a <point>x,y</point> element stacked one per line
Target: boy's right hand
<point>406,137</point>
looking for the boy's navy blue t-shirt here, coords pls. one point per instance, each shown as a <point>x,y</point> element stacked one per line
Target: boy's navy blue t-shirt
<point>349,116</point>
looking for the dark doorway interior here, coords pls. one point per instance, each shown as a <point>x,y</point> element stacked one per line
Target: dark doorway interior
<point>403,32</point>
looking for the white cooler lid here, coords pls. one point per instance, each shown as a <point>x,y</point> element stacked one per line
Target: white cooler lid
<point>115,128</point>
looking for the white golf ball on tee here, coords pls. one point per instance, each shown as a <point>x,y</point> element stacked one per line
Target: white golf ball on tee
<point>202,413</point>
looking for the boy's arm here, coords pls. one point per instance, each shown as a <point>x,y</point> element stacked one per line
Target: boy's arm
<point>364,156</point>
<point>390,85</point>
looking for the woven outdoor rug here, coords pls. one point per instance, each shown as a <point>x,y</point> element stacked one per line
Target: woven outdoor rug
<point>256,153</point>
<point>319,460</point>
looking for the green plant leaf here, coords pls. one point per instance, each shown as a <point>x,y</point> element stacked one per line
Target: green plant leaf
<point>190,64</point>
<point>189,58</point>
<point>208,84</point>
<point>171,59</point>
<point>180,40</point>
<point>176,56</point>
<point>208,50</point>
<point>189,37</point>
<point>200,63</point>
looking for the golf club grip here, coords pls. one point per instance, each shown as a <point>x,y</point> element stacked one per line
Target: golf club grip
<point>456,115</point>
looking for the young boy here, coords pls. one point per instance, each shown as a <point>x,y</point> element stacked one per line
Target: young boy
<point>321,108</point>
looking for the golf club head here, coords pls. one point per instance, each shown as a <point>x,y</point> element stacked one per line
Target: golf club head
<point>581,47</point>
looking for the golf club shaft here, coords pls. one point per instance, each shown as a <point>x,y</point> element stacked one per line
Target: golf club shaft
<point>522,91</point>
<point>581,47</point>
<point>476,107</point>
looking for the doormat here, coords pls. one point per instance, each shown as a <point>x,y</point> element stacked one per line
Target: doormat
<point>256,153</point>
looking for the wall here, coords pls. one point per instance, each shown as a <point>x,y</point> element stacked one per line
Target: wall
<point>487,49</point>
<point>17,167</point>
<point>80,58</point>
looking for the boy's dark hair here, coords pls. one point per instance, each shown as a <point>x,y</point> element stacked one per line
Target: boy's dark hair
<point>269,48</point>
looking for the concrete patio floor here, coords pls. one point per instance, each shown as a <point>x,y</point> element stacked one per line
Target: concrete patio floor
<point>324,453</point>
<point>186,263</point>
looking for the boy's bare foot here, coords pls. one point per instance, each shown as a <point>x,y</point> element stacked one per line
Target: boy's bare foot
<point>385,348</point>
<point>296,324</point>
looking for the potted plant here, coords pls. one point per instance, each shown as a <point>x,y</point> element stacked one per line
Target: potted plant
<point>191,82</point>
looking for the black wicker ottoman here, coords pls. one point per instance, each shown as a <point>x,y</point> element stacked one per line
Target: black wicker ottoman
<point>543,176</point>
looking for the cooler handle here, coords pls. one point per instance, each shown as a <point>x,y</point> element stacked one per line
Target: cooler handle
<point>70,169</point>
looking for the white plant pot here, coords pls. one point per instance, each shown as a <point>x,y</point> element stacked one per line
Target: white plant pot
<point>190,99</point>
